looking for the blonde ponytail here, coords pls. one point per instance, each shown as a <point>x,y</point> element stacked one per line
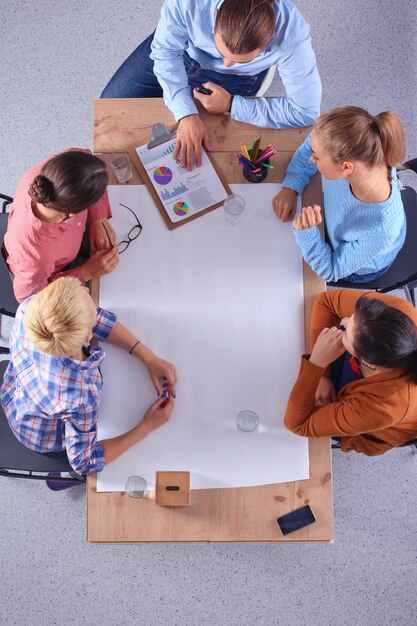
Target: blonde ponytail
<point>351,133</point>
<point>392,137</point>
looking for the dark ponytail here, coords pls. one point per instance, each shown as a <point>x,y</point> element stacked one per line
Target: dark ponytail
<point>70,182</point>
<point>245,26</point>
<point>385,336</point>
<point>42,190</point>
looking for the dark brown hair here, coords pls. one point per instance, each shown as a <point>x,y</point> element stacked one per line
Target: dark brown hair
<point>246,25</point>
<point>352,133</point>
<point>384,335</point>
<point>70,182</point>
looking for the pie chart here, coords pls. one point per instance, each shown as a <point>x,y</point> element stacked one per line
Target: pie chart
<point>162,175</point>
<point>180,208</point>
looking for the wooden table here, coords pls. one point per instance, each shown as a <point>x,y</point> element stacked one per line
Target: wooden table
<point>217,515</point>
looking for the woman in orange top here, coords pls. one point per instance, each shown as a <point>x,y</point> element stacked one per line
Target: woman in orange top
<point>368,397</point>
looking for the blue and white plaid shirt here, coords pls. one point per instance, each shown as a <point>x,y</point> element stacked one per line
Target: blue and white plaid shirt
<point>51,403</point>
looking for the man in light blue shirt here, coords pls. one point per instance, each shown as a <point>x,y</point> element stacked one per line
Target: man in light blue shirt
<point>226,46</point>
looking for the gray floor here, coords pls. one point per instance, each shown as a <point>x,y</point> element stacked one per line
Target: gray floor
<point>56,57</point>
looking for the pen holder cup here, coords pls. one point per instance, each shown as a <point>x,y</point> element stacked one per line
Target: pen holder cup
<point>257,177</point>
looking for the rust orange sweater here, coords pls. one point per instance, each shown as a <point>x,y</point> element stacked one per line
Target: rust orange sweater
<point>371,415</point>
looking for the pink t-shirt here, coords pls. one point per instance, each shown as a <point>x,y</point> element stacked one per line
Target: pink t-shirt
<point>39,250</point>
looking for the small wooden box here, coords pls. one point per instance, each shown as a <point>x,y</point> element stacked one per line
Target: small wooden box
<point>172,488</point>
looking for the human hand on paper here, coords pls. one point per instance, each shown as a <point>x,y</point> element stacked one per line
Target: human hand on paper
<point>326,392</point>
<point>100,263</point>
<point>217,102</point>
<point>191,135</point>
<point>328,347</point>
<point>285,204</point>
<point>309,217</point>
<point>98,236</point>
<point>159,369</point>
<point>158,414</point>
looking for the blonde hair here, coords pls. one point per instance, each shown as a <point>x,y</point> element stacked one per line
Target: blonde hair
<point>58,320</point>
<point>352,133</point>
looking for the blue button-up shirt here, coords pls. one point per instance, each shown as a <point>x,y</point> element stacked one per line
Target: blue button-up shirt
<point>51,403</point>
<point>189,25</point>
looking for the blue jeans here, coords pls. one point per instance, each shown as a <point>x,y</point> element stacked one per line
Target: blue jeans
<point>135,77</point>
<point>366,278</point>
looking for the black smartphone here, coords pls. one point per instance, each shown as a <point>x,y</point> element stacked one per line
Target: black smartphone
<point>295,520</point>
<point>204,90</point>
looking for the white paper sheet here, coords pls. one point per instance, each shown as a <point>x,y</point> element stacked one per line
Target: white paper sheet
<point>224,303</point>
<point>181,192</point>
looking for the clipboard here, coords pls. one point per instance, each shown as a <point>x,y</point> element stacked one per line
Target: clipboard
<point>163,176</point>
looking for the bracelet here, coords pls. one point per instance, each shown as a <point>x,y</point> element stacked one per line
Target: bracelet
<point>133,347</point>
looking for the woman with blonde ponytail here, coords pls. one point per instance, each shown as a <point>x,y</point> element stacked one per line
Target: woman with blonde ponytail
<point>357,154</point>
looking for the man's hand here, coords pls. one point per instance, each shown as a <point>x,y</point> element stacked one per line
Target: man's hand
<point>309,217</point>
<point>328,347</point>
<point>217,102</point>
<point>325,393</point>
<point>98,237</point>
<point>285,204</point>
<point>102,262</point>
<point>191,134</point>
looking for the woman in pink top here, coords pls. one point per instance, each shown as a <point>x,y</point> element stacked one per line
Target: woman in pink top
<point>52,205</point>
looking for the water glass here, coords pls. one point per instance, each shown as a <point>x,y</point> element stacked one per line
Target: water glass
<point>121,166</point>
<point>233,206</point>
<point>136,487</point>
<point>247,421</point>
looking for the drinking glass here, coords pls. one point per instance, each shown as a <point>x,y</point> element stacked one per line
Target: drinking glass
<point>136,487</point>
<point>120,164</point>
<point>233,206</point>
<point>247,421</point>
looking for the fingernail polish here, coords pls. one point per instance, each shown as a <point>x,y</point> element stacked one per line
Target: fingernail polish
<point>164,395</point>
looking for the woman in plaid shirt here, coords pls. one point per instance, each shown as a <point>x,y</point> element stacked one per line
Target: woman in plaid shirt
<point>52,386</point>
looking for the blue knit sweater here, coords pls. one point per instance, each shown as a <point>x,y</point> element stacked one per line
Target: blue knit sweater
<point>365,236</point>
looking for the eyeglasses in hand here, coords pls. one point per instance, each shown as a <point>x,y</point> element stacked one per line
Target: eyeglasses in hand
<point>132,234</point>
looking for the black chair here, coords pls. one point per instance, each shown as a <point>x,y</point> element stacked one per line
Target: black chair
<point>403,272</point>
<point>18,461</point>
<point>8,303</point>
<point>408,444</point>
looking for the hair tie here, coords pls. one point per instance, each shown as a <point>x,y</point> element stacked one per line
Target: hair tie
<point>134,346</point>
<point>375,126</point>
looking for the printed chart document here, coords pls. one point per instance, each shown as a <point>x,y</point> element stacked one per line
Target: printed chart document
<point>225,304</point>
<point>182,193</point>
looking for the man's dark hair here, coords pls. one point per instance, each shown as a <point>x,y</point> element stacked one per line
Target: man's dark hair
<point>246,25</point>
